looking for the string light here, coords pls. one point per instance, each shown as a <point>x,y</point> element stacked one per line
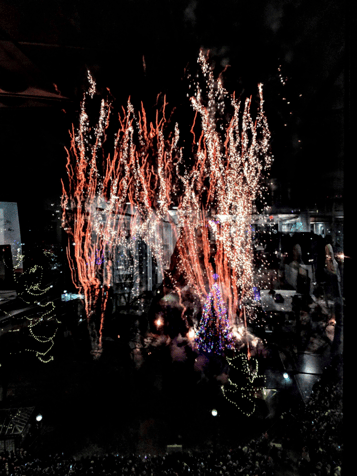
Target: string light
<point>246,392</point>
<point>30,295</point>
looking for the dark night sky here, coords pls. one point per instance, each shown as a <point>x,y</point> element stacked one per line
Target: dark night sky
<point>64,38</point>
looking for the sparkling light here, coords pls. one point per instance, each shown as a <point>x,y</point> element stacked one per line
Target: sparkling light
<point>115,200</point>
<point>159,322</point>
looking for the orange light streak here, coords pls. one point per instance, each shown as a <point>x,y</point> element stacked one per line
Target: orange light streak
<point>214,195</point>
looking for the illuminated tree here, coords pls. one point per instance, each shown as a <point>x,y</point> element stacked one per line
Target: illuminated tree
<point>214,334</point>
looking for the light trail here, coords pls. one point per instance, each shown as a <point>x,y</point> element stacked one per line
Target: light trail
<point>215,213</point>
<point>114,200</point>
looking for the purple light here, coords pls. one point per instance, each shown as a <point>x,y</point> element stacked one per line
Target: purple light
<point>256,292</point>
<point>214,333</point>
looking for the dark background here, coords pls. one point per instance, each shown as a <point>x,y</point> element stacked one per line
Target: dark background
<point>141,48</point>
<point>61,39</point>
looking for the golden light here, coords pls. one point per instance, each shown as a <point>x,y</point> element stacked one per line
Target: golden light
<point>159,322</point>
<point>191,334</point>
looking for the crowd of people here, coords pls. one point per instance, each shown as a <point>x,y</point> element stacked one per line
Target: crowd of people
<point>308,442</point>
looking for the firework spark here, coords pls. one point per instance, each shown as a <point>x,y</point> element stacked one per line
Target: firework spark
<point>112,201</point>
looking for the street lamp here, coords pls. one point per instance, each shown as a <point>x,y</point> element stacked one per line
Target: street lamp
<point>214,412</point>
<point>39,417</point>
<point>286,376</point>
